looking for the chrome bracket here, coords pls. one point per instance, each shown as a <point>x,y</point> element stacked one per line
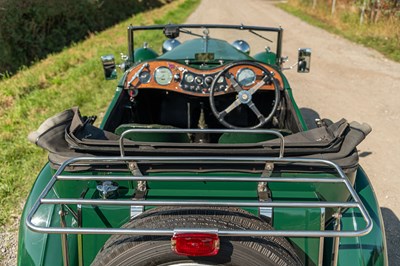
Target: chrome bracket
<point>336,240</point>
<point>137,74</point>
<point>141,188</point>
<point>321,239</point>
<point>264,194</point>
<point>64,237</point>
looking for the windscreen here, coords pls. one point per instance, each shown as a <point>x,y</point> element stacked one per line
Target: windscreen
<point>211,43</point>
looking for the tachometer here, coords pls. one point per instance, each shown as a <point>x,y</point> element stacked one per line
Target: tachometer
<point>163,75</point>
<point>246,77</point>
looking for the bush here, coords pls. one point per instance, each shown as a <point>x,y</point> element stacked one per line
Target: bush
<point>31,29</point>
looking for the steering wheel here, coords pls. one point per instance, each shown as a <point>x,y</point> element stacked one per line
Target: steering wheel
<point>245,96</point>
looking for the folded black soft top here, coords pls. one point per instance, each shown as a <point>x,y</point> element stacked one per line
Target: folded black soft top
<point>68,135</point>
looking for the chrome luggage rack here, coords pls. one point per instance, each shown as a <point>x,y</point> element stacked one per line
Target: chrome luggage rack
<point>354,202</point>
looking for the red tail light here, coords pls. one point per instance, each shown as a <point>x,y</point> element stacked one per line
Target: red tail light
<point>195,244</point>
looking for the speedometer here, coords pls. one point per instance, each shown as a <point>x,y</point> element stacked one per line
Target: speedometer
<point>163,75</point>
<point>246,77</point>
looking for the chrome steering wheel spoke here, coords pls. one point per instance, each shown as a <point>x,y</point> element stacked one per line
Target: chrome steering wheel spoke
<point>255,110</point>
<point>235,84</point>
<point>231,107</point>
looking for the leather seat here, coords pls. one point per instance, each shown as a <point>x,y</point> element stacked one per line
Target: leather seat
<point>232,138</point>
<point>151,137</point>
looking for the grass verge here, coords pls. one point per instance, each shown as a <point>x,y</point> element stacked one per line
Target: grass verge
<point>383,36</point>
<point>73,77</point>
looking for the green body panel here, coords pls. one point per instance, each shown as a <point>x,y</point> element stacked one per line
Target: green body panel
<point>295,107</point>
<point>144,54</point>
<point>266,57</point>
<point>43,249</point>
<point>114,100</point>
<point>307,248</point>
<point>371,248</point>
<point>100,217</point>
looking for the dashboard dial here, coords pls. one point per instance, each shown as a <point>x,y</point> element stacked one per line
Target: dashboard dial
<point>189,78</point>
<point>144,77</point>
<point>163,75</point>
<point>246,77</point>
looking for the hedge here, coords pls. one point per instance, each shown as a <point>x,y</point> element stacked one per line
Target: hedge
<point>31,29</point>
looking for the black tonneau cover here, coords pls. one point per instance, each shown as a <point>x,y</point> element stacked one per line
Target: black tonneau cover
<point>68,135</point>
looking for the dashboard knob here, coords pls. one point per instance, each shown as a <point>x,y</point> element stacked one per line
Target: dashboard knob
<point>208,80</point>
<point>198,80</point>
<point>177,77</point>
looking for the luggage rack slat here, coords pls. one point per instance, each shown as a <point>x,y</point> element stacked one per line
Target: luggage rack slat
<point>341,179</point>
<point>259,233</point>
<point>201,178</point>
<point>198,203</point>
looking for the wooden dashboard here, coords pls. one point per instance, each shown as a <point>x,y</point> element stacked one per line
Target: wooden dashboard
<point>173,76</point>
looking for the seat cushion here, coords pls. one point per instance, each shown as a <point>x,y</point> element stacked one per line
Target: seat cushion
<point>152,137</point>
<point>236,138</point>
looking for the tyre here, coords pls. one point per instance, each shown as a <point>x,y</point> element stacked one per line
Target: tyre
<point>156,250</point>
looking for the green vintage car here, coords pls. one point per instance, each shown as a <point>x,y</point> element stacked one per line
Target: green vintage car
<point>202,158</point>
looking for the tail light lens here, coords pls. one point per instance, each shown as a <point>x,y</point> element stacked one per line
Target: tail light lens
<point>195,244</point>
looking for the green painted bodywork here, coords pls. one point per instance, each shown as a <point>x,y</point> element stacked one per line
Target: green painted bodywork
<point>369,249</point>
<point>144,54</point>
<point>266,57</point>
<point>43,249</point>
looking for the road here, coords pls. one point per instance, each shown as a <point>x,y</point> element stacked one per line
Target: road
<point>346,80</point>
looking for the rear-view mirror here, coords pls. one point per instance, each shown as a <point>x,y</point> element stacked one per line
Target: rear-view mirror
<point>108,62</point>
<point>304,60</point>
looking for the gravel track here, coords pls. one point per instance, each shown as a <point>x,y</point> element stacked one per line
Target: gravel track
<point>9,243</point>
<point>346,80</point>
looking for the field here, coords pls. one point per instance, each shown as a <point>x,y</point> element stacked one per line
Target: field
<point>73,77</point>
<point>377,28</point>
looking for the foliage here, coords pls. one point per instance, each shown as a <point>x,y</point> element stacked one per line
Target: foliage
<point>73,77</point>
<point>31,29</point>
<point>363,21</point>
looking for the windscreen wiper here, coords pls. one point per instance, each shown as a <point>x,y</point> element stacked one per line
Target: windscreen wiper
<point>259,35</point>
